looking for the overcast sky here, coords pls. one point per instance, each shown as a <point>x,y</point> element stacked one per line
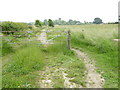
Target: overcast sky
<point>82,10</point>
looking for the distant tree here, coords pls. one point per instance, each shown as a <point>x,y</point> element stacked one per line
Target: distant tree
<point>45,22</point>
<point>38,23</point>
<point>97,21</point>
<point>56,22</point>
<point>50,23</point>
<point>78,22</point>
<point>59,22</point>
<point>70,22</point>
<point>85,22</point>
<point>113,22</point>
<point>31,23</point>
<point>116,22</point>
<point>62,22</point>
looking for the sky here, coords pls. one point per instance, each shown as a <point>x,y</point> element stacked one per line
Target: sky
<point>82,10</point>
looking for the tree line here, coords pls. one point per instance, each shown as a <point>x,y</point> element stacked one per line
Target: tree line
<point>14,26</point>
<point>51,22</point>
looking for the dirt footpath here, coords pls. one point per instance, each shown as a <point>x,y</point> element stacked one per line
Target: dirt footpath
<point>94,79</point>
<point>43,38</point>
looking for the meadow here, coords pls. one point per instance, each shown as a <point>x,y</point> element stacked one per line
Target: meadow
<point>97,42</point>
<point>23,64</point>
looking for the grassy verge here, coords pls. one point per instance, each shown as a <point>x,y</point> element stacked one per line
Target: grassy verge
<point>17,73</point>
<point>6,48</point>
<point>25,63</point>
<point>22,70</point>
<point>104,51</point>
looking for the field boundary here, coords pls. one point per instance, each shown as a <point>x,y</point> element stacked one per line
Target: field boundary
<point>68,34</point>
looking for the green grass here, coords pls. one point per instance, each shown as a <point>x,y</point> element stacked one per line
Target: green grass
<point>21,61</point>
<point>23,66</point>
<point>61,57</point>
<point>57,28</point>
<point>24,81</point>
<point>76,69</point>
<point>58,81</point>
<point>6,48</point>
<point>96,40</point>
<point>26,61</point>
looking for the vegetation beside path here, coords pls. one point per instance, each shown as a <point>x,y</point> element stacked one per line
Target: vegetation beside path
<point>24,66</point>
<point>96,41</point>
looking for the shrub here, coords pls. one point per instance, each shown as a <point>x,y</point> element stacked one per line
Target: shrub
<point>12,26</point>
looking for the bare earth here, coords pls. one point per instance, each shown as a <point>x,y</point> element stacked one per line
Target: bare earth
<point>117,40</point>
<point>94,79</point>
<point>48,75</point>
<point>43,38</point>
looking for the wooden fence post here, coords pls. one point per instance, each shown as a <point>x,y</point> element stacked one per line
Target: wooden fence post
<point>68,39</point>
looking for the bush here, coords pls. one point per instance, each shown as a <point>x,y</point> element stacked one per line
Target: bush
<point>6,48</point>
<point>12,26</point>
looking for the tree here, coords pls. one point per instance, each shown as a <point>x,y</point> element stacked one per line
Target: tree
<point>78,22</point>
<point>50,23</point>
<point>45,22</point>
<point>97,21</point>
<point>72,22</point>
<point>38,23</point>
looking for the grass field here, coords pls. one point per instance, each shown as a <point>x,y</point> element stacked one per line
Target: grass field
<point>22,65</point>
<point>97,41</point>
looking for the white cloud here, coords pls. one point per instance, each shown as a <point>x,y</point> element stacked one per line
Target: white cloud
<point>29,10</point>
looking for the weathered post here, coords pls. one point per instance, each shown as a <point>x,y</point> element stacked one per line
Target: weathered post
<point>68,39</point>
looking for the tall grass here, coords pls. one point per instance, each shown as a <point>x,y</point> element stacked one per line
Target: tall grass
<point>105,53</point>
<point>6,48</point>
<point>21,71</point>
<point>24,61</point>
